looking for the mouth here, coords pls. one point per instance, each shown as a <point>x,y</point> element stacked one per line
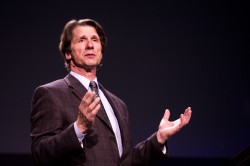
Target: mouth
<point>90,55</point>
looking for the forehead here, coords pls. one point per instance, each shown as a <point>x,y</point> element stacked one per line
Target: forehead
<point>84,30</point>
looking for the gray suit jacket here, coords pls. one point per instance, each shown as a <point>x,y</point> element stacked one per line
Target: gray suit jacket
<point>54,142</point>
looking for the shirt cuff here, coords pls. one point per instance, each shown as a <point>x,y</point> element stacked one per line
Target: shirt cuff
<point>164,149</point>
<point>79,135</point>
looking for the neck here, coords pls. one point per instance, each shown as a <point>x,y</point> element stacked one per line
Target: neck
<point>89,73</point>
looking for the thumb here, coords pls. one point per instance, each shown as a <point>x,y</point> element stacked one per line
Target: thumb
<point>166,114</point>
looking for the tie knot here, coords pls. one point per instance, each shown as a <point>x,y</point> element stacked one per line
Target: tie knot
<point>93,86</point>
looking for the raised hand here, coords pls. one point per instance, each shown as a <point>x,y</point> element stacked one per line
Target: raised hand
<point>88,109</point>
<point>169,128</point>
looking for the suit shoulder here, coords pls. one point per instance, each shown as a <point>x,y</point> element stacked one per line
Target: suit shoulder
<point>115,97</point>
<point>110,93</point>
<point>54,85</point>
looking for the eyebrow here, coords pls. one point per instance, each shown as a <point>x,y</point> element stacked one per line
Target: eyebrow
<point>84,36</point>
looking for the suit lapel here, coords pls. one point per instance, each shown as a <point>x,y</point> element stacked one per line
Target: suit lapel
<point>77,88</point>
<point>118,114</point>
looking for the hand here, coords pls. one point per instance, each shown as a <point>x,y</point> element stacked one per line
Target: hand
<point>88,109</point>
<point>169,128</point>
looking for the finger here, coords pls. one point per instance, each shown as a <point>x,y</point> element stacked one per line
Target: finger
<point>85,102</point>
<point>187,110</point>
<point>185,118</point>
<point>182,118</point>
<point>88,97</point>
<point>182,121</point>
<point>166,115</point>
<point>87,94</point>
<point>96,109</point>
<point>91,110</point>
<point>95,103</point>
<point>187,114</point>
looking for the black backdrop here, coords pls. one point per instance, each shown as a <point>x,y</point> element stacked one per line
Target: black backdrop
<point>182,53</point>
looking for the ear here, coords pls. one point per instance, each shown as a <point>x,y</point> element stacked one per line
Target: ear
<point>67,56</point>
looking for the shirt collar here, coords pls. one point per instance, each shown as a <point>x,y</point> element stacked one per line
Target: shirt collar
<point>85,82</point>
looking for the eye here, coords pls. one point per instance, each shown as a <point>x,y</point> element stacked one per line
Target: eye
<point>95,39</point>
<point>81,40</point>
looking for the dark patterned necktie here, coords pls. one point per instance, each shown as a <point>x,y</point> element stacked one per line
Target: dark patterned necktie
<point>93,87</point>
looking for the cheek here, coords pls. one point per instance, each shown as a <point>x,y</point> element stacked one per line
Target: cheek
<point>100,57</point>
<point>100,53</point>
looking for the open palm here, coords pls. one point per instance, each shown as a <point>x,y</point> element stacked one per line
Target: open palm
<point>169,128</point>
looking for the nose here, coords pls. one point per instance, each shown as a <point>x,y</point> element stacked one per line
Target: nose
<point>89,44</point>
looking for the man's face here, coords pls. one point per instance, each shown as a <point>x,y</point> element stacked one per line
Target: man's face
<point>86,49</point>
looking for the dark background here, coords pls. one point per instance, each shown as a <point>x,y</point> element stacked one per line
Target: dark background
<point>182,53</point>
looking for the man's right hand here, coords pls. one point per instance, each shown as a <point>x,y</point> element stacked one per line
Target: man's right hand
<point>88,109</point>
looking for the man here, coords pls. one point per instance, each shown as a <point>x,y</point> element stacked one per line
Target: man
<point>72,124</point>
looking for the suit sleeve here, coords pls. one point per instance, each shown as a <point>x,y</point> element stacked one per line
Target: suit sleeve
<point>144,153</point>
<point>148,151</point>
<point>51,141</point>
